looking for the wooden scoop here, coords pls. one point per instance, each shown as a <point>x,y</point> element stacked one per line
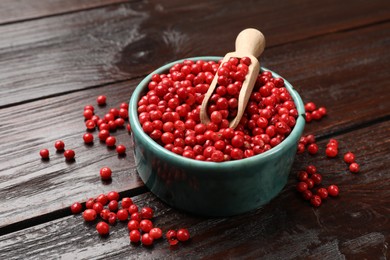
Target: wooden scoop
<point>249,43</point>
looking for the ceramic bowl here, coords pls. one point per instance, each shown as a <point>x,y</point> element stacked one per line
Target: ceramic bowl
<point>208,188</point>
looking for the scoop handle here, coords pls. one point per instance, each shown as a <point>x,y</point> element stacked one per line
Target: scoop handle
<point>250,41</point>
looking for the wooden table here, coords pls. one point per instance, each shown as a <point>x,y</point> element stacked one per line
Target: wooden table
<point>58,56</point>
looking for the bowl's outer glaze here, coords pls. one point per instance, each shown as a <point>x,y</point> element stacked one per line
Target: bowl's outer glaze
<point>207,188</point>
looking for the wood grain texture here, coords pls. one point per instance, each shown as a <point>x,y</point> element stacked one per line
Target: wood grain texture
<point>39,124</point>
<point>19,10</point>
<point>65,53</point>
<point>354,225</point>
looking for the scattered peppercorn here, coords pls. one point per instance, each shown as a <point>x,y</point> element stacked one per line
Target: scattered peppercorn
<point>44,153</point>
<point>59,145</point>
<point>69,155</point>
<point>102,228</point>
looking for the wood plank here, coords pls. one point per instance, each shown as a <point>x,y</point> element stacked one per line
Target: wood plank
<point>13,11</point>
<point>65,53</point>
<point>39,124</point>
<point>354,225</point>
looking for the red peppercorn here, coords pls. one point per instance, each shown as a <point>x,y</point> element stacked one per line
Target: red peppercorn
<point>76,208</point>
<point>112,218</point>
<point>110,141</point>
<point>310,107</point>
<point>146,240</point>
<point>302,186</point>
<point>101,100</point>
<point>136,216</point>
<point>59,145</point>
<point>171,237</point>
<point>104,214</point>
<point>146,213</point>
<point>96,119</point>
<point>113,205</point>
<point>245,60</point>
<point>124,105</point>
<point>316,115</point>
<point>103,135</point>
<point>322,192</point>
<point>216,117</point>
<point>119,122</point>
<point>126,203</point>
<point>155,233</point>
<point>312,148</point>
<point>317,178</point>
<point>90,107</point>
<point>105,173</point>
<point>307,194</point>
<point>333,142</point>
<point>308,117</point>
<point>69,155</point>
<point>133,209</point>
<point>114,111</point>
<point>146,225</point>
<point>354,167</point>
<point>303,140</point>
<point>302,176</point>
<point>322,111</point>
<point>102,198</point>
<point>104,126</point>
<point>331,151</point>
<point>89,215</point>
<point>98,207</point>
<point>301,148</point>
<point>315,201</point>
<point>349,157</point>
<point>310,183</point>
<point>89,203</point>
<point>122,214</point>
<point>311,169</point>
<point>310,139</point>
<point>135,236</point>
<point>102,228</point>
<point>112,125</point>
<point>123,113</point>
<point>109,117</point>
<point>333,190</point>
<point>183,235</point>
<point>44,153</point>
<point>121,149</point>
<point>133,225</point>
<point>88,114</point>
<point>113,195</point>
<point>88,138</point>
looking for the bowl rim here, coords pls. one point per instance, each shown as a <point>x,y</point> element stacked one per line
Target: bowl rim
<point>167,155</point>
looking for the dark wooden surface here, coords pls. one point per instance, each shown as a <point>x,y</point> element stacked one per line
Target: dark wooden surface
<point>56,57</point>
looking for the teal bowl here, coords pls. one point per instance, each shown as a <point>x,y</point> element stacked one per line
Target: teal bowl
<point>208,188</point>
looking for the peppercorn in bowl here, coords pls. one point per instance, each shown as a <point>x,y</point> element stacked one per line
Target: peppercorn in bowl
<point>211,169</point>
